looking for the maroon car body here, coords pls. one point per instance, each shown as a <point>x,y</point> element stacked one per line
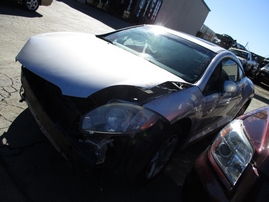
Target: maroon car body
<point>208,180</point>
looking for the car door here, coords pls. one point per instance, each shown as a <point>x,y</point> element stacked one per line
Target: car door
<point>234,74</point>
<point>219,107</point>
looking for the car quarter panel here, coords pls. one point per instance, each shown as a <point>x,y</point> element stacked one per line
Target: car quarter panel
<point>174,106</point>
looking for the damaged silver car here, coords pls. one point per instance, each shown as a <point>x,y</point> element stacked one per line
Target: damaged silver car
<point>131,97</point>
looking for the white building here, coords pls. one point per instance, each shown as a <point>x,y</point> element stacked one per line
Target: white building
<point>183,15</point>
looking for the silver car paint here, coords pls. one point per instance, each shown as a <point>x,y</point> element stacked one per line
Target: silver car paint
<point>43,53</point>
<point>87,64</point>
<point>204,110</point>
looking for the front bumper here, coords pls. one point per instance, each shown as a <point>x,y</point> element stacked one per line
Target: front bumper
<point>202,183</point>
<point>71,148</point>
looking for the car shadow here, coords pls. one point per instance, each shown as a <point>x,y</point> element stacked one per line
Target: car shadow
<point>11,8</point>
<point>264,86</point>
<point>98,14</point>
<point>40,174</point>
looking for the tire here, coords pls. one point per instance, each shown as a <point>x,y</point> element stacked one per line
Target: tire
<point>31,5</point>
<point>142,158</point>
<point>160,158</point>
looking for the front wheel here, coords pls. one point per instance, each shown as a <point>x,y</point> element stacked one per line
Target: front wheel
<point>147,154</point>
<point>31,5</point>
<point>161,157</point>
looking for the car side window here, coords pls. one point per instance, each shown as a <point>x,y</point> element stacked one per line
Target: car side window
<point>226,70</point>
<point>230,70</point>
<point>213,84</point>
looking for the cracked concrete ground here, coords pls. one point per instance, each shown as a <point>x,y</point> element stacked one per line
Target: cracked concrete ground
<point>9,95</point>
<point>30,168</point>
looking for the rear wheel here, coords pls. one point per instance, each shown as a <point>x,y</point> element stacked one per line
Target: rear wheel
<point>31,5</point>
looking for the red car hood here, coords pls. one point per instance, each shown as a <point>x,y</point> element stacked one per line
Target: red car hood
<point>81,64</point>
<point>257,124</point>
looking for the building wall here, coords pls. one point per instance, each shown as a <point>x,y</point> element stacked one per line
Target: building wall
<point>183,15</point>
<point>207,34</point>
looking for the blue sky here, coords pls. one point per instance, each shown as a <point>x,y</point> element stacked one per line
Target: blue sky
<point>247,21</point>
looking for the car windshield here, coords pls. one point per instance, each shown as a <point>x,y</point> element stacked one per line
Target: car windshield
<point>239,53</point>
<point>179,56</point>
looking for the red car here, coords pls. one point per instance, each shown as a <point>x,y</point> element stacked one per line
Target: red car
<point>236,166</point>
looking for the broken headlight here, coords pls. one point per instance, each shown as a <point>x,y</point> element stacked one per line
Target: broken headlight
<point>118,118</point>
<point>232,150</point>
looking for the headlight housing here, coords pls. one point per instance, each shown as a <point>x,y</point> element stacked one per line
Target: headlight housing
<point>118,118</point>
<point>232,150</point>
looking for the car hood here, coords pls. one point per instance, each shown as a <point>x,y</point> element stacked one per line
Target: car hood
<point>81,64</point>
<point>256,124</point>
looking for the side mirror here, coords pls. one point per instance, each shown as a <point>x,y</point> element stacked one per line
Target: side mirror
<point>229,87</point>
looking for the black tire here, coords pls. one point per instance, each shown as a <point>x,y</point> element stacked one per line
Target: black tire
<point>156,154</point>
<point>31,5</point>
<point>160,158</point>
<point>134,158</point>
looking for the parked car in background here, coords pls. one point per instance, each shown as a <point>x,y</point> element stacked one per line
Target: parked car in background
<point>249,63</point>
<point>33,5</point>
<point>133,95</point>
<point>239,46</point>
<point>226,41</point>
<point>236,166</point>
<point>265,61</point>
<point>262,75</point>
